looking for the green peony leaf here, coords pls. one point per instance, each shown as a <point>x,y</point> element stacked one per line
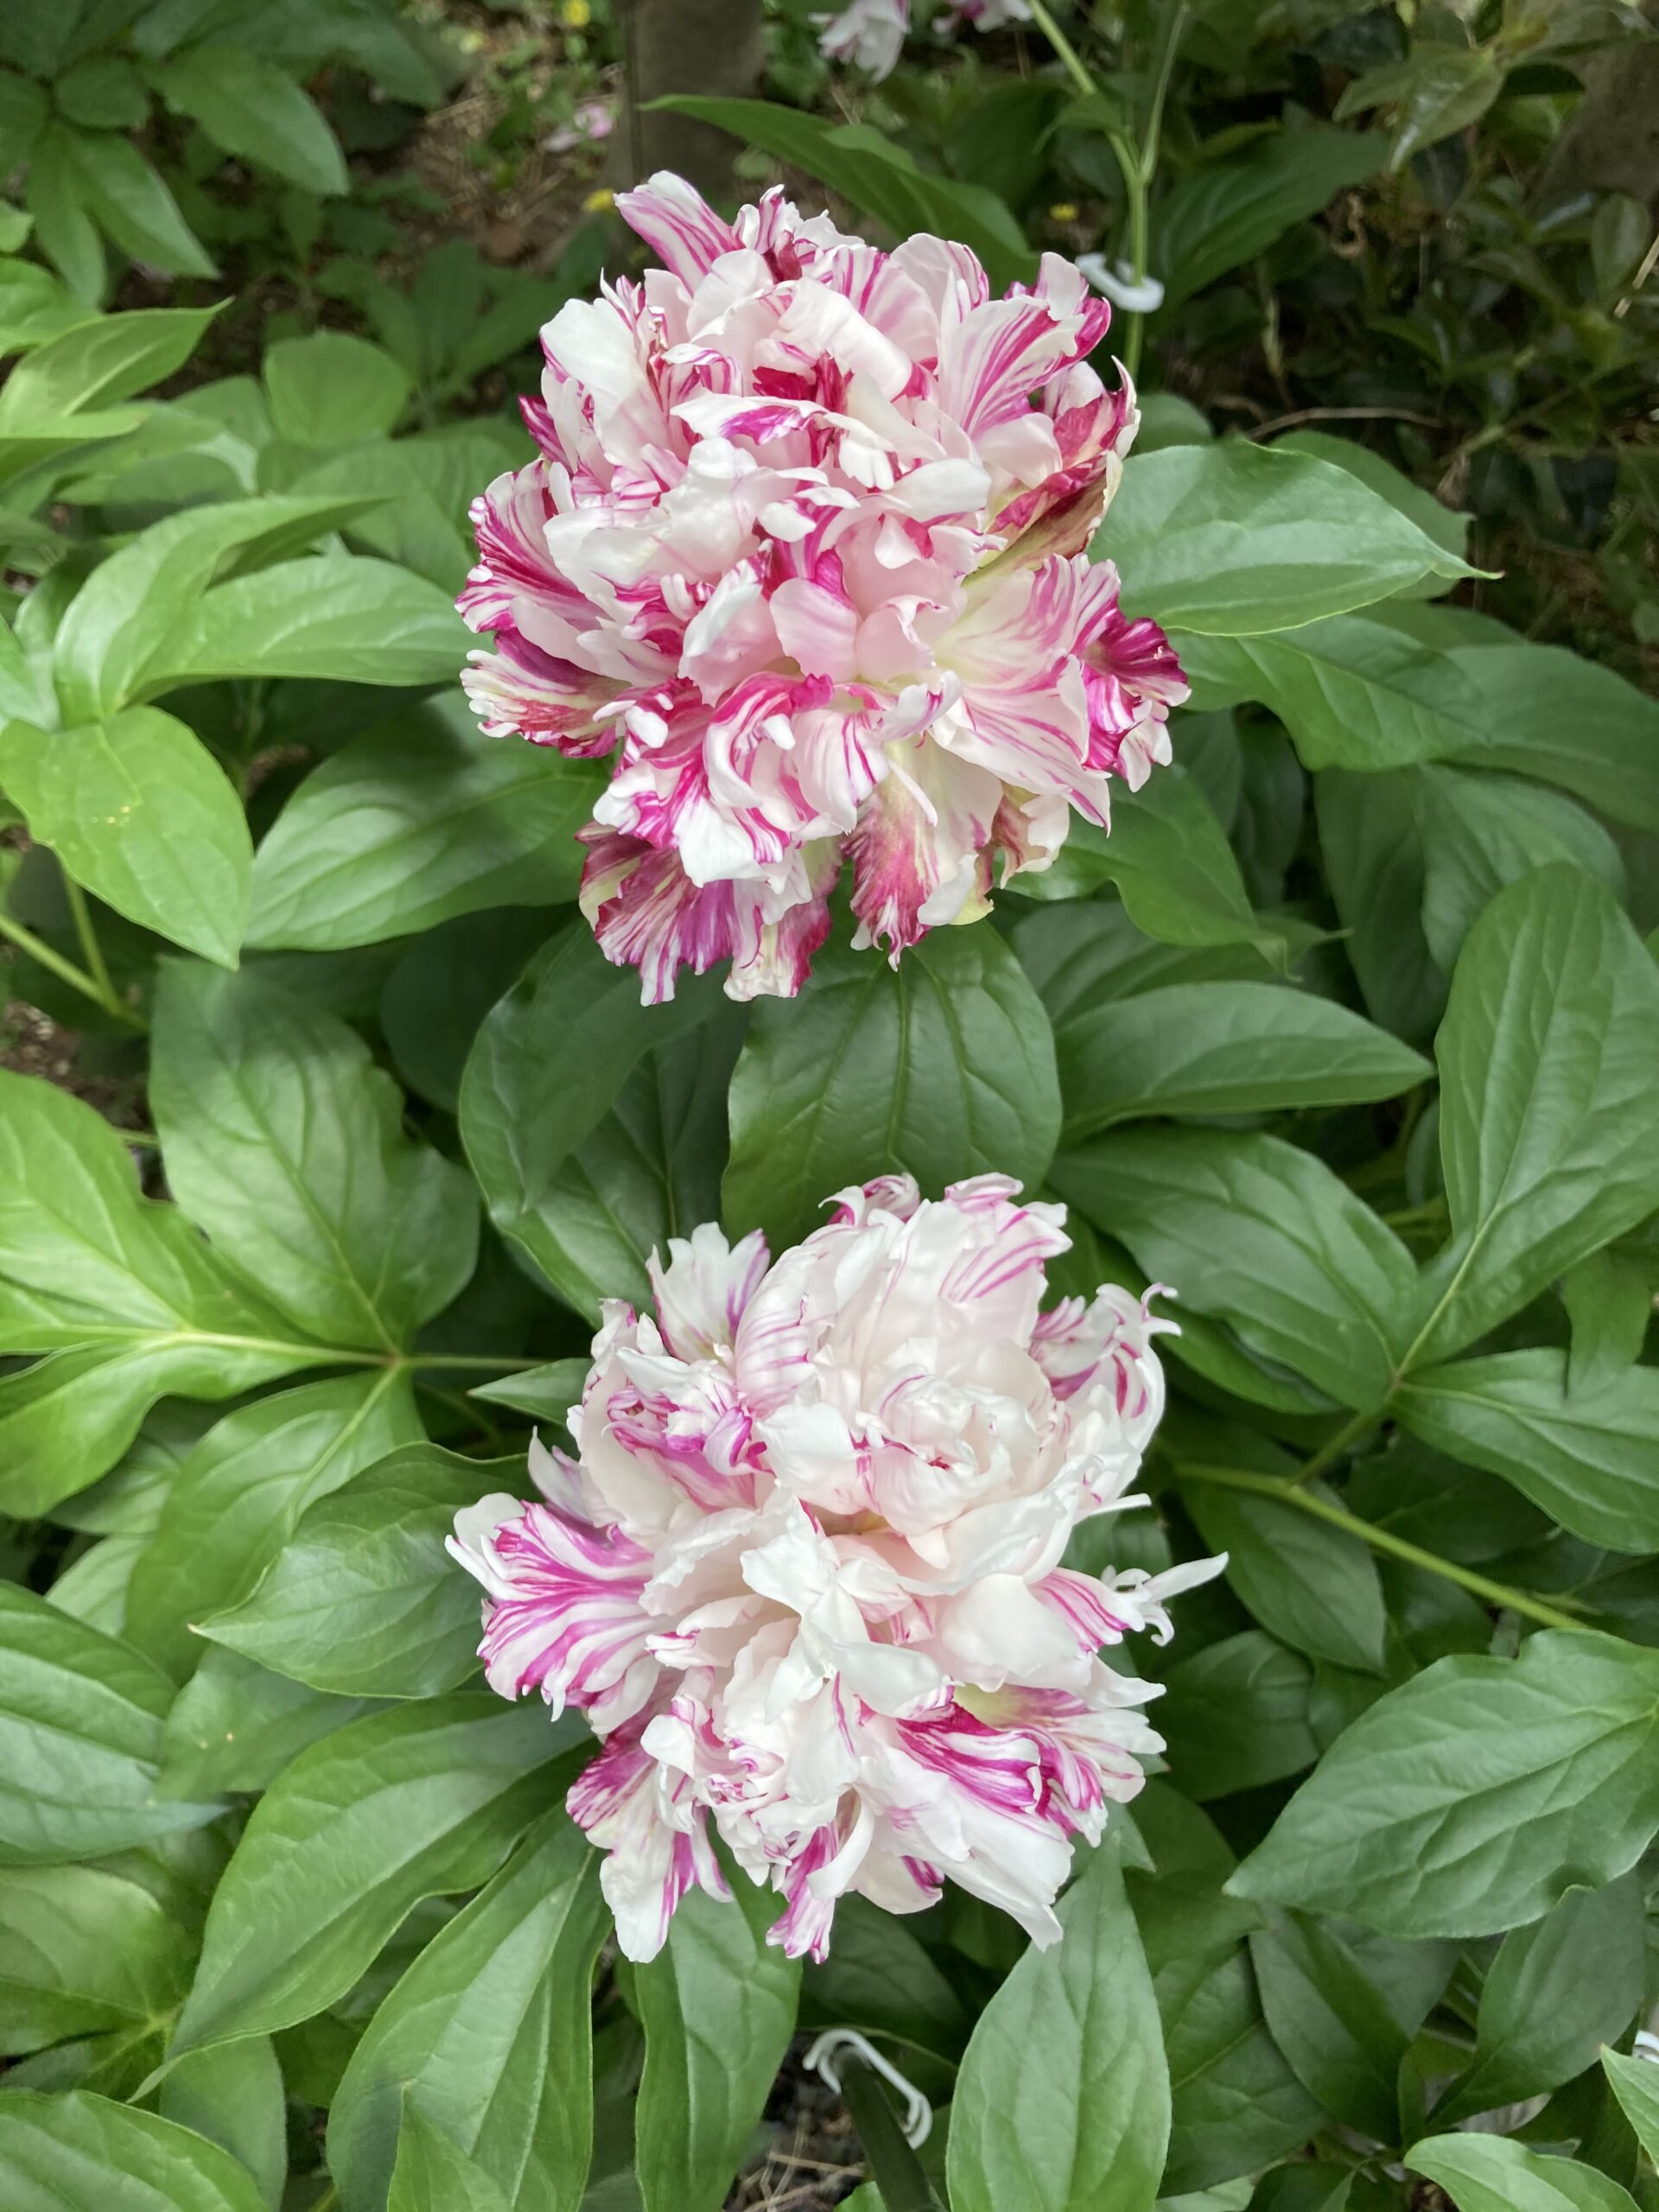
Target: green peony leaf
<point>398,1806</point>
<point>488,2036</point>
<point>944,1069</point>
<point>1063,2093</point>
<point>718,2006</point>
<point>1472,1797</point>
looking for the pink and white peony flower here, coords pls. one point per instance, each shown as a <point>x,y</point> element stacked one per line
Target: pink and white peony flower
<point>805,1574</point>
<point>871,33</point>
<point>801,556</point>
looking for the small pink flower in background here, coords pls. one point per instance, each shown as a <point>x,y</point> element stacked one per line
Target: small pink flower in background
<point>871,33</point>
<point>803,555</point>
<point>592,120</point>
<point>805,1575</point>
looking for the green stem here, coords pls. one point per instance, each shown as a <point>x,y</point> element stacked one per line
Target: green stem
<point>471,1410</point>
<point>1380,1540</point>
<point>894,2168</point>
<point>1430,1215</point>
<point>1174,31</point>
<point>1333,1447</point>
<point>1075,67</point>
<point>66,971</point>
<point>1135,335</point>
<point>1138,165</point>
<point>1145,169</point>
<point>90,951</point>
<point>253,727</point>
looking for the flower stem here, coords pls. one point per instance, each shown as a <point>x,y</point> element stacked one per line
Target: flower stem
<point>1138,164</point>
<point>1135,334</point>
<point>1380,1540</point>
<point>894,2168</point>
<point>1174,30</point>
<point>1073,63</point>
<point>1174,25</point>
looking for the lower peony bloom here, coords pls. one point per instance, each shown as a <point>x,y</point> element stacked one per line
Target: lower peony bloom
<point>805,1575</point>
<point>802,558</point>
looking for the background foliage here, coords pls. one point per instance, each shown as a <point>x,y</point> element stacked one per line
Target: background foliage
<point>326,1129</point>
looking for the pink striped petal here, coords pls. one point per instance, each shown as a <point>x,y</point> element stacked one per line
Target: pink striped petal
<point>678,224</point>
<point>564,1612</point>
<point>803,1574</point>
<point>800,552</point>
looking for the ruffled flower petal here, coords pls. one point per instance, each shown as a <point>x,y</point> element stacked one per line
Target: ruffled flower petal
<point>801,554</point>
<point>804,1575</point>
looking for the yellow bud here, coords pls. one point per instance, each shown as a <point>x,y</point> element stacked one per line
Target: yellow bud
<point>598,203</point>
<point>576,14</point>
<point>1064,211</point>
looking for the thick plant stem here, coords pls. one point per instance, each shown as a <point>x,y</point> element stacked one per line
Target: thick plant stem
<point>66,972</point>
<point>1380,1540</point>
<point>893,2166</point>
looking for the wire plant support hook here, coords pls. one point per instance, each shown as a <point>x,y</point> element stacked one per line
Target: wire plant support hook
<point>918,2113</point>
<point>856,2071</point>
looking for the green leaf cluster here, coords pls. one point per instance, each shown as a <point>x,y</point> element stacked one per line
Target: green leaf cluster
<point>77,82</point>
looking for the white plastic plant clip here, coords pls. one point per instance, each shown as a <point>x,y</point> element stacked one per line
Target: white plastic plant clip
<point>1646,2046</point>
<point>918,2113</point>
<point>1118,281</point>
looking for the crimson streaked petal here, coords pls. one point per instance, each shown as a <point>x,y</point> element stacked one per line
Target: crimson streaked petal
<point>802,551</point>
<point>804,1575</point>
<point>677,224</point>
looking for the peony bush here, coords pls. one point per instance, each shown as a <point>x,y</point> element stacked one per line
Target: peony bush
<point>621,1595</point>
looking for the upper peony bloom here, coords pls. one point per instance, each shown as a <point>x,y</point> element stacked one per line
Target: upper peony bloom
<point>804,1576</point>
<point>870,32</point>
<point>803,551</point>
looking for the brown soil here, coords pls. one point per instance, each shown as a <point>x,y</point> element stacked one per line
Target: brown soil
<point>815,2160</point>
<point>31,1043</point>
